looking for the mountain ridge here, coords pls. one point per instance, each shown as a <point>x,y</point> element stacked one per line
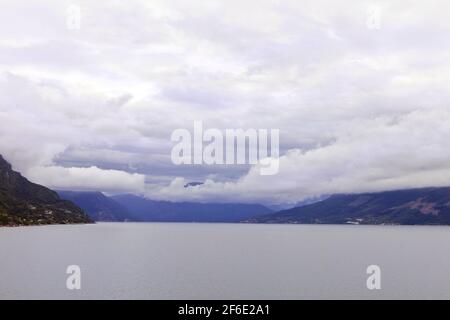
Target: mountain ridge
<point>98,206</point>
<point>25,203</point>
<point>419,206</point>
<point>143,209</point>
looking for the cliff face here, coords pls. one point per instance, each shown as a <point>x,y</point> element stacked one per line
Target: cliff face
<point>26,203</point>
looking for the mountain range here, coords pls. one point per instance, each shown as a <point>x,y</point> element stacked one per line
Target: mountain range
<point>130,207</point>
<point>25,203</point>
<point>425,206</point>
<point>142,209</point>
<point>98,206</point>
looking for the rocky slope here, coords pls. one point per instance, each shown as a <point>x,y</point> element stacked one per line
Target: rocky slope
<point>26,203</point>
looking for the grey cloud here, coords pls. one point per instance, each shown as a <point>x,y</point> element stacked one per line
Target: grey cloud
<point>358,109</point>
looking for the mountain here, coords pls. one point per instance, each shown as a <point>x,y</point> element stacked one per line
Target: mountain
<point>142,209</point>
<point>426,206</point>
<point>98,206</point>
<point>193,184</point>
<point>280,207</point>
<point>26,203</point>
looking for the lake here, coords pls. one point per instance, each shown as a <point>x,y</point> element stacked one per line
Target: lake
<point>224,261</point>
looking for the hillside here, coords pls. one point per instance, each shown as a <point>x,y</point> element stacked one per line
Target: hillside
<point>427,206</point>
<point>26,203</point>
<point>98,206</point>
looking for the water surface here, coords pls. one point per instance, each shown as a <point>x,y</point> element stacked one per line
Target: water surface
<point>224,261</point>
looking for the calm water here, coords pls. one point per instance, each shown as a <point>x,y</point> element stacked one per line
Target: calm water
<point>224,261</point>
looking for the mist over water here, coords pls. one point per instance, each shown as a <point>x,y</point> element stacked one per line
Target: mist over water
<point>224,261</point>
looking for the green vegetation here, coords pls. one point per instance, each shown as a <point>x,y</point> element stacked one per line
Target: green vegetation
<point>26,203</point>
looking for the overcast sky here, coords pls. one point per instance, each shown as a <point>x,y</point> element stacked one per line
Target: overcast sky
<point>359,90</point>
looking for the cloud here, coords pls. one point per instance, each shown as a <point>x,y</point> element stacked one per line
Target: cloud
<point>91,178</point>
<point>369,155</point>
<point>358,109</point>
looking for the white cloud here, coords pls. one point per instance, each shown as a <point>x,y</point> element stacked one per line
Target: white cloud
<point>368,155</point>
<point>91,178</point>
<point>358,109</point>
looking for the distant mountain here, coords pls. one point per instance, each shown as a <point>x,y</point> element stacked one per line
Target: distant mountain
<point>193,184</point>
<point>98,206</point>
<point>280,207</point>
<point>142,209</point>
<point>427,206</point>
<point>26,203</point>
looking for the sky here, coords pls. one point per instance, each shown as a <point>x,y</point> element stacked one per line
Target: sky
<point>358,89</point>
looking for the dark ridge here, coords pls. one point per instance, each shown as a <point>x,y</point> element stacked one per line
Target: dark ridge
<point>25,203</point>
<point>425,206</point>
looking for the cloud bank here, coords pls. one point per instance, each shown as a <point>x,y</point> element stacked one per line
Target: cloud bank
<point>358,108</point>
